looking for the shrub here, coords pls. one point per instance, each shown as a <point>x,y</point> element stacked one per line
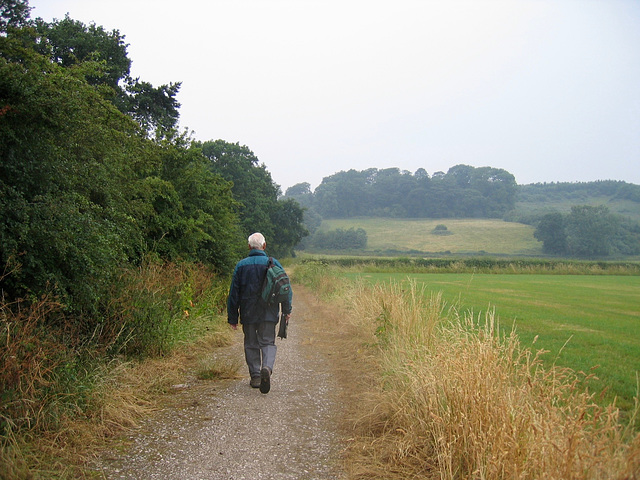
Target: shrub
<point>441,229</point>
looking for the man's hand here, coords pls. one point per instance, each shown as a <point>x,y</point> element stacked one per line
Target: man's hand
<point>286,318</point>
<point>234,326</point>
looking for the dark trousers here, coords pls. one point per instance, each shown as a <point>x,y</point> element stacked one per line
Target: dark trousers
<point>259,346</point>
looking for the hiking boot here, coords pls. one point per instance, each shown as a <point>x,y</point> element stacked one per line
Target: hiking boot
<point>255,382</point>
<point>265,380</point>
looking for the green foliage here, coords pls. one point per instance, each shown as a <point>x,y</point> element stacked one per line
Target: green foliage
<point>13,14</point>
<point>70,43</point>
<point>65,163</point>
<point>288,219</point>
<point>588,231</point>
<point>463,191</point>
<point>301,193</point>
<point>441,229</point>
<point>340,239</point>
<point>203,225</point>
<point>551,232</point>
<point>538,199</point>
<point>259,208</point>
<point>83,192</point>
<point>154,108</point>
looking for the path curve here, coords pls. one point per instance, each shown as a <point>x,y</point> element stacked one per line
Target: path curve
<point>230,431</point>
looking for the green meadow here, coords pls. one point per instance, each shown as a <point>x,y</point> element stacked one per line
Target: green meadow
<point>465,235</point>
<point>589,323</point>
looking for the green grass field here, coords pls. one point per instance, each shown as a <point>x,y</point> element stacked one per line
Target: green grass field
<point>584,321</point>
<point>467,235</point>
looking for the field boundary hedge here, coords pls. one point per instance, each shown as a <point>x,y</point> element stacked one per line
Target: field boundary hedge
<point>486,265</point>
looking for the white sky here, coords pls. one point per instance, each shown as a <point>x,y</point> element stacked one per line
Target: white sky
<point>546,89</point>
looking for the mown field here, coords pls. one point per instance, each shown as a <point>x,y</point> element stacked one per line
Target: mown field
<point>467,236</point>
<point>589,323</point>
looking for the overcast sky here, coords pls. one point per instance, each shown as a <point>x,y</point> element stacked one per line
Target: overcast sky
<point>546,89</point>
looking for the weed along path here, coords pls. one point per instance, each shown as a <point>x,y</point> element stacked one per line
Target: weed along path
<point>230,431</point>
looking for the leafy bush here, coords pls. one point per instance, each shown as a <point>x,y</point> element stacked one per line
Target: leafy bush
<point>341,239</point>
<point>441,229</point>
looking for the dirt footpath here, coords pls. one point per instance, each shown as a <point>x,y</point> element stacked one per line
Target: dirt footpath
<point>228,430</point>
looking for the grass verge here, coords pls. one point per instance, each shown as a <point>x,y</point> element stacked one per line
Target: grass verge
<point>63,394</point>
<point>124,392</point>
<point>457,397</point>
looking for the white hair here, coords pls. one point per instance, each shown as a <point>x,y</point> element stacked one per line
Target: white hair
<point>257,240</point>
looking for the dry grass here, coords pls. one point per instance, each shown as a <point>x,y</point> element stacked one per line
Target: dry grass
<point>458,399</point>
<point>126,393</point>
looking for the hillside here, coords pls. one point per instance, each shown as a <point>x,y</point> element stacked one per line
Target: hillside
<point>466,236</point>
<point>620,197</point>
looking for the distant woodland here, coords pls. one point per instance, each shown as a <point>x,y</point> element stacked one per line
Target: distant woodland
<point>592,219</point>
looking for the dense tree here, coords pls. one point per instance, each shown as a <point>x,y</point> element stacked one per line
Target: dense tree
<point>341,239</point>
<point>206,226</point>
<point>626,240</point>
<point>464,191</point>
<point>257,194</point>
<point>70,43</point>
<point>578,192</point>
<point>552,233</point>
<point>298,190</point>
<point>14,14</point>
<point>83,192</point>
<point>65,159</point>
<point>290,228</point>
<point>301,193</point>
<point>590,231</point>
<point>345,194</point>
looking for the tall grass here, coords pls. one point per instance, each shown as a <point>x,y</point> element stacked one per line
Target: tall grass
<point>457,398</point>
<point>62,388</point>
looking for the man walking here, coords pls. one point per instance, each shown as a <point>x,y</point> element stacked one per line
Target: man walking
<point>258,319</point>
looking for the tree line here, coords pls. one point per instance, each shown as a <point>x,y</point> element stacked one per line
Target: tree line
<point>462,192</point>
<point>95,175</point>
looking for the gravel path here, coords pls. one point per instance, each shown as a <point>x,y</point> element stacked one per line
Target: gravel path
<point>231,431</point>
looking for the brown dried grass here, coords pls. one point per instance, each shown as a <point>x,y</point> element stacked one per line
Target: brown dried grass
<point>32,444</point>
<point>456,398</point>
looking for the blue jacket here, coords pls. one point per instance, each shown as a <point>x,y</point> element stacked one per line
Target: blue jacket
<point>244,295</point>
